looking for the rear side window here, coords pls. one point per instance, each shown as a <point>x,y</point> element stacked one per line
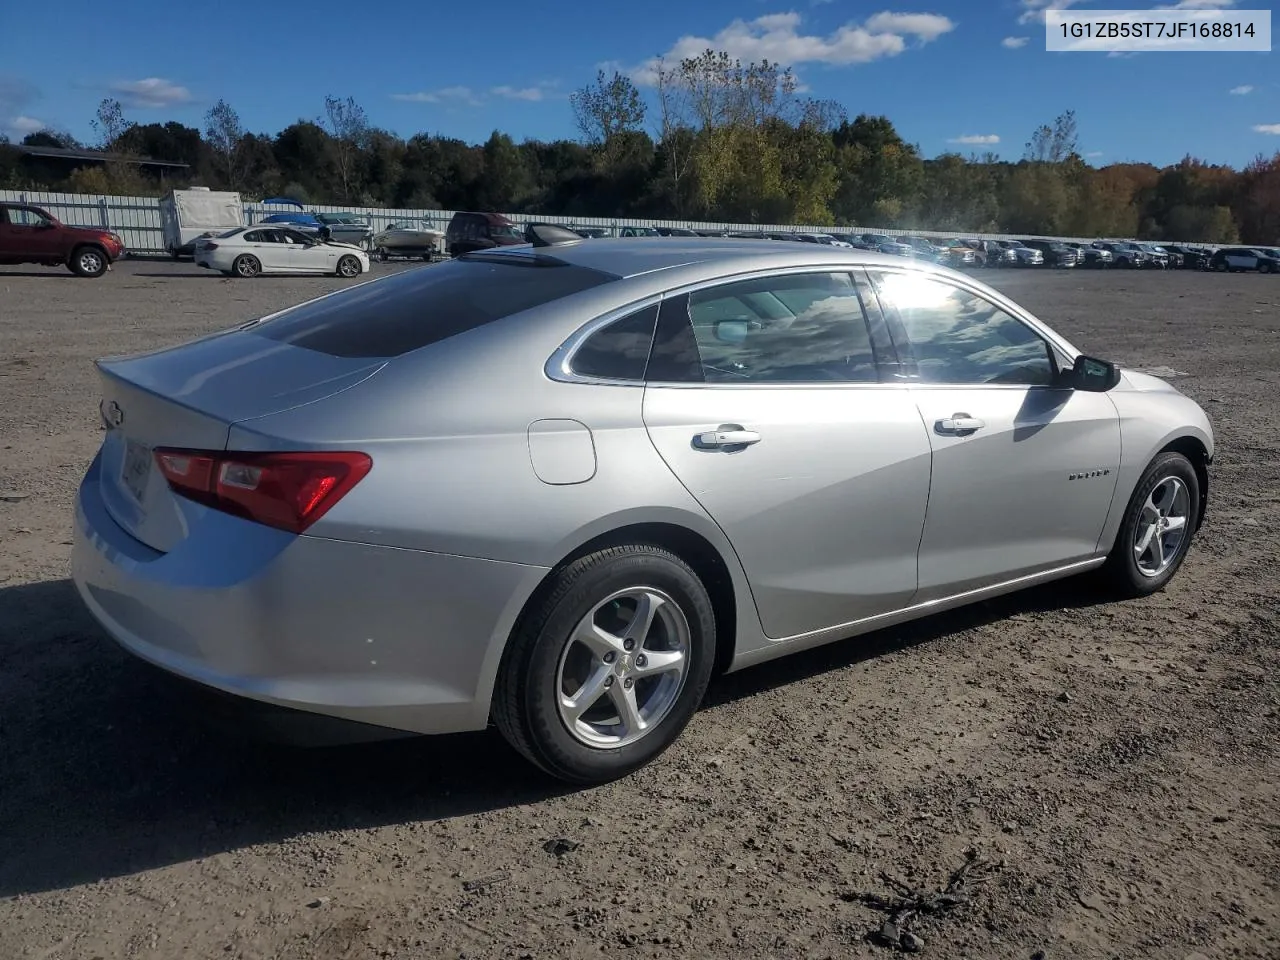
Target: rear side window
<point>620,350</point>
<point>390,317</point>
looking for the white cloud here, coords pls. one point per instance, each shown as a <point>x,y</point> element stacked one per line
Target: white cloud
<point>464,96</point>
<point>976,139</point>
<point>152,92</point>
<point>21,126</point>
<point>1197,5</point>
<point>1093,154</point>
<point>532,94</point>
<point>1271,128</point>
<point>923,26</point>
<point>1033,10</point>
<point>1013,43</point>
<point>1243,90</point>
<point>776,37</point>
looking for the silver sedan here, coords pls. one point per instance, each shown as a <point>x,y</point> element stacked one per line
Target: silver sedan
<point>556,487</point>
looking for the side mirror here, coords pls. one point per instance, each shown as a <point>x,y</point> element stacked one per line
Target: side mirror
<point>1092,375</point>
<point>45,225</point>
<point>733,332</point>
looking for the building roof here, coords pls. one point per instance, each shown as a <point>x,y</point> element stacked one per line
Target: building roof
<point>97,156</point>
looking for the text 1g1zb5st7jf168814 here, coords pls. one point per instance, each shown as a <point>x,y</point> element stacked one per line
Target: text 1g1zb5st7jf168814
<point>1155,31</point>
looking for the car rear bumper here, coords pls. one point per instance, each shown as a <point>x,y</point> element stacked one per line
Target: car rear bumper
<point>402,639</point>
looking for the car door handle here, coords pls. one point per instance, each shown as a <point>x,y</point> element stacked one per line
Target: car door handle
<point>729,435</point>
<point>959,423</point>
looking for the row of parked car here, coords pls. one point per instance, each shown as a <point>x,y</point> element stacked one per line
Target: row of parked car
<point>477,231</point>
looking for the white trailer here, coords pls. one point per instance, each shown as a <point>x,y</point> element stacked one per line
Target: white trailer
<point>188,214</point>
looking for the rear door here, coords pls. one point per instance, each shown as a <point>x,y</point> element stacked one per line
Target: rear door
<point>767,398</point>
<point>1023,469</point>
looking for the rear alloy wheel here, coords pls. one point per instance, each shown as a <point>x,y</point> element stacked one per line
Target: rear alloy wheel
<point>89,262</point>
<point>606,671</point>
<point>348,267</point>
<point>1158,526</point>
<point>246,266</point>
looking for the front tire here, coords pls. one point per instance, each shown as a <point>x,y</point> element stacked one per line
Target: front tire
<point>88,262</point>
<point>246,266</point>
<point>606,670</point>
<point>348,267</point>
<point>1158,526</point>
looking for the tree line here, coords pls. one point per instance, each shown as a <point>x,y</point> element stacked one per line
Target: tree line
<point>719,140</point>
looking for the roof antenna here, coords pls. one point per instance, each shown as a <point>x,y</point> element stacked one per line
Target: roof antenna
<point>550,235</point>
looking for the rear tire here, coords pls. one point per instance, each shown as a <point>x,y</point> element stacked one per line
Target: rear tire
<point>563,702</point>
<point>246,266</point>
<point>88,261</point>
<point>1158,527</point>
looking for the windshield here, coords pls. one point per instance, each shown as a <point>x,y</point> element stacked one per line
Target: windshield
<point>232,233</point>
<point>508,230</point>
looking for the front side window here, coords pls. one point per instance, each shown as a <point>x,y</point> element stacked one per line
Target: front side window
<point>620,350</point>
<point>799,328</point>
<point>959,337</point>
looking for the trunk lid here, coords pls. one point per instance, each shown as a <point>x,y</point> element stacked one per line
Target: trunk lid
<point>190,396</point>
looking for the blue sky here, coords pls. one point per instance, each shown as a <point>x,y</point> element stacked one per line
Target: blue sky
<point>950,74</point>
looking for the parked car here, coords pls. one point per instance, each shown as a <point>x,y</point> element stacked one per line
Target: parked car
<point>1056,253</point>
<point>925,249</point>
<point>959,253</point>
<point>993,254</point>
<point>889,245</point>
<point>468,232</point>
<point>31,234</point>
<point>343,513</point>
<point>1024,256</point>
<point>1193,258</point>
<point>592,233</point>
<point>1157,257</point>
<point>634,231</point>
<point>346,227</point>
<point>265,248</point>
<point>1234,259</point>
<point>1172,260</point>
<point>409,238</point>
<point>1091,256</point>
<point>676,232</point>
<point>1124,253</point>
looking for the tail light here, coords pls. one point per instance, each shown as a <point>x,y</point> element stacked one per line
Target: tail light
<point>208,245</point>
<point>289,491</point>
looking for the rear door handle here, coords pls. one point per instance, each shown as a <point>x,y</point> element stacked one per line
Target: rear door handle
<point>729,435</point>
<point>959,423</point>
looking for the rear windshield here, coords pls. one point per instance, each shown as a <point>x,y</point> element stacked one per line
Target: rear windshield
<point>390,317</point>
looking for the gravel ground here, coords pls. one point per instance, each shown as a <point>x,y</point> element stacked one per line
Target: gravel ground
<point>1112,767</point>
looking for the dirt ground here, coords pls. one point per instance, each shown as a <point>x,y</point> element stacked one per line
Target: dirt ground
<point>1112,766</point>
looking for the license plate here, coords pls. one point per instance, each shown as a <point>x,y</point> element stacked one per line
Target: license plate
<point>137,468</point>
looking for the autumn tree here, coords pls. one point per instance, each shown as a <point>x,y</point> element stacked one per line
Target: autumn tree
<point>225,135</point>
<point>109,123</point>
<point>348,126</point>
<point>607,106</point>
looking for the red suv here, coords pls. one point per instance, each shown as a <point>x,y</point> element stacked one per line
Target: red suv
<point>31,235</point>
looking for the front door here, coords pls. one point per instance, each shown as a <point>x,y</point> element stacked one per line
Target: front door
<point>30,234</point>
<point>765,399</point>
<point>1023,469</point>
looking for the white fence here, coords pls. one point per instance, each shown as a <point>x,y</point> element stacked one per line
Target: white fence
<point>137,219</point>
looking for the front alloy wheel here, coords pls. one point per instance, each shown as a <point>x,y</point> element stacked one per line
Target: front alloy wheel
<point>607,667</point>
<point>1158,525</point>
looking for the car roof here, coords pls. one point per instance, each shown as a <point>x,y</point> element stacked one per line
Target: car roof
<point>632,257</point>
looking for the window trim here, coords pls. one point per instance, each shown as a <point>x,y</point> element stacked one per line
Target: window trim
<point>1058,348</point>
<point>559,365</point>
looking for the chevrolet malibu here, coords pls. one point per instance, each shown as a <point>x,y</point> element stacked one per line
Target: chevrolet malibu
<point>557,487</point>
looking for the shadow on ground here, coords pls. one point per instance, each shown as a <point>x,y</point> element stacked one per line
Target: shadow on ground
<point>105,771</point>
